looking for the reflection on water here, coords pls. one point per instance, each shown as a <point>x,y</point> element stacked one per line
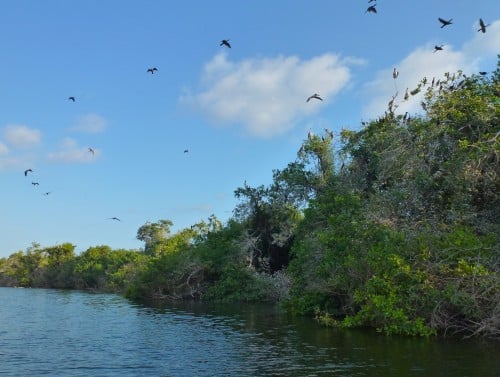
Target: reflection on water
<point>60,333</point>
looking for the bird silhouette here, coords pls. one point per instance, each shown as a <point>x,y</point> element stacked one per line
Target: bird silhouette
<point>371,9</point>
<point>329,133</point>
<point>310,134</point>
<point>445,22</point>
<point>114,218</point>
<point>395,73</point>
<point>152,70</point>
<point>71,99</point>
<point>314,96</point>
<point>483,73</point>
<point>225,42</point>
<point>27,171</point>
<point>438,48</point>
<point>91,151</point>
<point>482,26</point>
<point>35,183</point>
<point>186,150</point>
<point>47,193</point>
<point>407,95</point>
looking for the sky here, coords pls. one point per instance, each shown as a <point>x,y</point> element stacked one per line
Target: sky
<point>240,112</point>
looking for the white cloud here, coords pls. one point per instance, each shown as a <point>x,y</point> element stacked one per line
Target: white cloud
<point>90,123</point>
<point>7,162</point>
<point>21,136</point>
<point>71,152</point>
<point>424,62</point>
<point>4,150</point>
<point>268,95</point>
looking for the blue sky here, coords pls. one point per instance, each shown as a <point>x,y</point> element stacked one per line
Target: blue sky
<point>240,112</point>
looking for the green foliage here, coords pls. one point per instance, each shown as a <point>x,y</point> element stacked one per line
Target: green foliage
<point>240,283</point>
<point>402,237</point>
<point>153,233</point>
<point>102,268</point>
<point>405,237</point>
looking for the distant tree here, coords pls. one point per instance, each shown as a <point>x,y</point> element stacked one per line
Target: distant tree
<point>153,233</point>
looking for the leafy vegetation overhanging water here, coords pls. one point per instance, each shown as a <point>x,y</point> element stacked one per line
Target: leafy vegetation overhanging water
<point>395,227</point>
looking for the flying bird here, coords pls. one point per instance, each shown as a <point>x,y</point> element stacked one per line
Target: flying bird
<point>72,99</point>
<point>314,96</point>
<point>438,48</point>
<point>371,9</point>
<point>225,42</point>
<point>46,193</point>
<point>395,73</point>
<point>482,26</point>
<point>114,218</point>
<point>27,171</point>
<point>445,22</point>
<point>186,150</point>
<point>35,183</point>
<point>152,70</point>
<point>91,151</point>
<point>483,73</point>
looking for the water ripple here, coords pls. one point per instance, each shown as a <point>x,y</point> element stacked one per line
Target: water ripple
<point>59,333</point>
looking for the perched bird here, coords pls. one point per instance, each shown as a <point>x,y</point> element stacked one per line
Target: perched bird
<point>27,171</point>
<point>438,48</point>
<point>225,42</point>
<point>91,151</point>
<point>445,22</point>
<point>482,26</point>
<point>407,95</point>
<point>315,96</point>
<point>35,183</point>
<point>329,133</point>
<point>152,70</point>
<point>71,99</point>
<point>310,134</point>
<point>114,218</point>
<point>371,9</point>
<point>395,73</point>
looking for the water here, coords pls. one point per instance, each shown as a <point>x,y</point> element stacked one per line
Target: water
<point>62,333</point>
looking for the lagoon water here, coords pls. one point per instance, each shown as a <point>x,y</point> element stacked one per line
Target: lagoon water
<point>68,333</point>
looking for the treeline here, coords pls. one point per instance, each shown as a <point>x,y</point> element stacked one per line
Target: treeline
<point>395,227</point>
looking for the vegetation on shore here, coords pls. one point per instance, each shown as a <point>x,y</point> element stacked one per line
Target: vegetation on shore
<point>394,226</point>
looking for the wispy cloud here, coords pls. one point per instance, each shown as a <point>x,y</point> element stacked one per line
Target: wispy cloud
<point>4,150</point>
<point>90,123</point>
<point>13,162</point>
<point>267,96</point>
<point>71,152</point>
<point>21,136</point>
<point>424,62</point>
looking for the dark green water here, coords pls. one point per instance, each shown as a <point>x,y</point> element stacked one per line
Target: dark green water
<point>60,333</point>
